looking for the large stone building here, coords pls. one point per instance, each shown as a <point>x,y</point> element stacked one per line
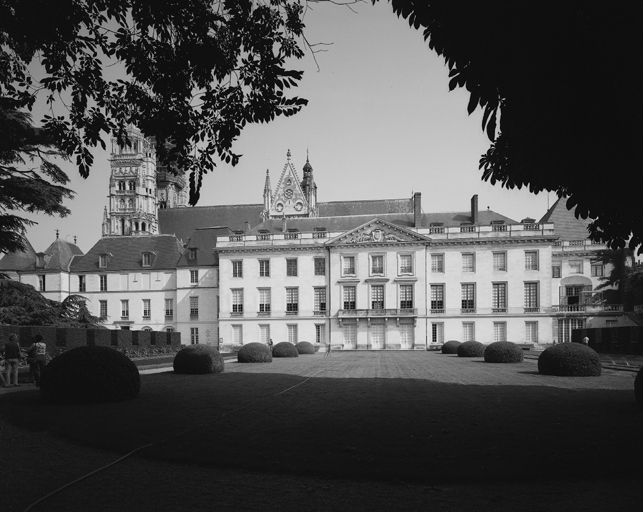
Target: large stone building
<point>362,274</point>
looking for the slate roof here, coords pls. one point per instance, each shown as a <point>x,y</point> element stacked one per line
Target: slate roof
<point>19,260</point>
<point>366,207</point>
<point>454,219</point>
<point>204,240</point>
<point>126,253</point>
<point>60,255</point>
<point>566,225</point>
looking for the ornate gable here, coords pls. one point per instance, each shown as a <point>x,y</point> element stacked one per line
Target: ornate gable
<point>379,232</point>
<point>288,198</point>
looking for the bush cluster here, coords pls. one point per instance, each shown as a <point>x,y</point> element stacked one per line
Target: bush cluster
<point>471,349</point>
<point>503,352</point>
<point>284,349</point>
<point>254,353</point>
<point>90,375</point>
<point>570,360</point>
<point>451,347</point>
<point>638,388</point>
<point>305,347</point>
<point>198,359</point>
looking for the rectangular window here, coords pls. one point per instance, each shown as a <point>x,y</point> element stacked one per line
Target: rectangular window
<point>437,262</point>
<point>103,282</point>
<point>292,334</point>
<point>291,267</point>
<point>377,297</point>
<point>555,271</point>
<point>147,259</point>
<point>437,298</point>
<point>437,333</point>
<point>169,308</point>
<point>194,308</point>
<point>237,302</point>
<point>320,266</point>
<point>407,335</point>
<point>42,284</point>
<point>377,335</point>
<point>468,293</point>
<point>194,335</point>
<point>348,266</point>
<point>500,331</point>
<point>349,293</point>
<point>500,261</point>
<point>237,268</point>
<point>81,284</point>
<point>103,308</point>
<point>264,268</point>
<point>194,277</point>
<point>531,297</point>
<point>531,332</point>
<point>237,334</point>
<point>406,264</point>
<point>576,267</point>
<point>468,331</point>
<point>192,253</point>
<point>264,334</point>
<point>597,271</point>
<point>264,300</point>
<point>319,300</point>
<point>292,301</point>
<point>147,308</point>
<point>377,265</point>
<point>499,297</point>
<point>565,327</point>
<point>406,296</point>
<point>102,260</point>
<point>468,262</point>
<point>124,309</point>
<point>320,333</point>
<point>350,335</point>
<point>531,260</point>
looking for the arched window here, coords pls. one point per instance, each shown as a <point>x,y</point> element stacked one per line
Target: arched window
<point>143,227</point>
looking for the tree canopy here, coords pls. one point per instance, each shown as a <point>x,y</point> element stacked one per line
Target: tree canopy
<point>191,74</point>
<point>559,86</point>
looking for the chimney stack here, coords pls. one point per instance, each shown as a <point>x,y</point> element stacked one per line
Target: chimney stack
<point>474,209</point>
<point>284,224</point>
<point>417,209</point>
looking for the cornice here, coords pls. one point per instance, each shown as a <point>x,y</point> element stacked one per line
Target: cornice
<point>492,241</point>
<point>271,248</point>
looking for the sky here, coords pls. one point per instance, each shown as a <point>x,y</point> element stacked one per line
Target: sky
<point>380,124</point>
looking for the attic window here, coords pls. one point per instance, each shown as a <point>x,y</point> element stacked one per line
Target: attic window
<point>40,260</point>
<point>192,253</point>
<point>102,260</point>
<point>147,259</point>
<point>436,224</point>
<point>320,233</point>
<point>528,220</point>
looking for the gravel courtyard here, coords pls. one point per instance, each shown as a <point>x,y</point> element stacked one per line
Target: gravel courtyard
<point>354,431</point>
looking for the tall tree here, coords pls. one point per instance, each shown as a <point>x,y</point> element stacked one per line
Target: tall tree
<point>559,86</point>
<point>191,73</point>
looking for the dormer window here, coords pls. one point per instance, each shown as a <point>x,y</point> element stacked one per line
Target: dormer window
<point>102,260</point>
<point>192,253</point>
<point>40,260</point>
<point>147,259</point>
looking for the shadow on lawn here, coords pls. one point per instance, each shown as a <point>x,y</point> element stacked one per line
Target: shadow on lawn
<point>394,429</point>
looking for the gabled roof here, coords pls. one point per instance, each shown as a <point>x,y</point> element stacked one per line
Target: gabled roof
<point>126,253</point>
<point>379,232</point>
<point>566,225</point>
<point>288,198</point>
<point>60,255</point>
<point>204,240</point>
<point>19,260</point>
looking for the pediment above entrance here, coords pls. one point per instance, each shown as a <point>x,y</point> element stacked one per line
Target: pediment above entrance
<point>379,232</point>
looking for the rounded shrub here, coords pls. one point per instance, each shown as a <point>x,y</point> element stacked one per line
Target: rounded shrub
<point>285,349</point>
<point>503,352</point>
<point>451,347</point>
<point>198,359</point>
<point>305,347</point>
<point>470,349</point>
<point>254,353</point>
<point>570,360</point>
<point>638,388</point>
<point>90,375</point>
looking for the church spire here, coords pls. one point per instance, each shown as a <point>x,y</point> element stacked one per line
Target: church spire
<point>267,193</point>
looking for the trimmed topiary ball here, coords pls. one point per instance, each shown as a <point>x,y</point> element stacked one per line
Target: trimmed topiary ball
<point>503,352</point>
<point>90,375</point>
<point>470,349</point>
<point>198,359</point>
<point>254,353</point>
<point>638,388</point>
<point>284,349</point>
<point>451,347</point>
<point>570,360</point>
<point>305,347</point>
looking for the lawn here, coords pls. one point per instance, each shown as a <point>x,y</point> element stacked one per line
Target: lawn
<point>413,418</point>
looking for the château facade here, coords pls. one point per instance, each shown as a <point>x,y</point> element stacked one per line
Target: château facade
<point>361,274</point>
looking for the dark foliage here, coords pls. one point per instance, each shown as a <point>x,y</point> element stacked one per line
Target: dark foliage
<point>559,87</point>
<point>570,360</point>
<point>198,359</point>
<point>638,388</point>
<point>254,353</point>
<point>90,375</point>
<point>503,352</point>
<point>284,349</point>
<point>451,347</point>
<point>305,347</point>
<point>471,349</point>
